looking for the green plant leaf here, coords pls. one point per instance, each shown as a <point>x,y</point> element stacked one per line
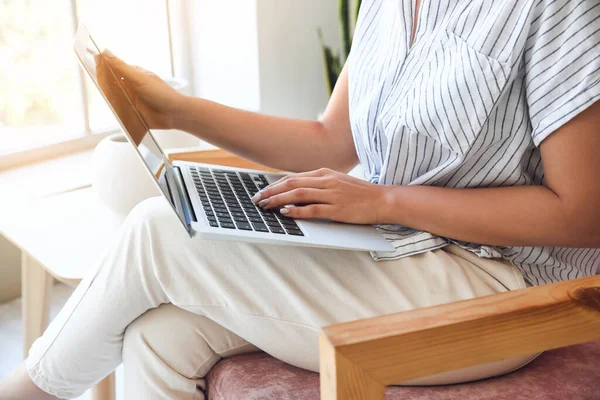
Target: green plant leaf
<point>334,63</point>
<point>357,10</point>
<point>344,14</point>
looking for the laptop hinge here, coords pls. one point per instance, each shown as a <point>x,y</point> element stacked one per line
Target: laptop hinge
<point>186,203</point>
<point>174,185</point>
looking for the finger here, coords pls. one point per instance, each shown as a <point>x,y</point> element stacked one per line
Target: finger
<point>122,69</point>
<point>292,183</point>
<point>144,71</point>
<point>311,211</point>
<point>310,174</point>
<point>297,196</point>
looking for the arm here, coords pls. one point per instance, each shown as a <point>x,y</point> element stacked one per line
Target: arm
<point>281,143</point>
<point>564,213</point>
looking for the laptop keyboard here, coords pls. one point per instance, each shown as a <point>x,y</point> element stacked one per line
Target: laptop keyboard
<point>226,200</point>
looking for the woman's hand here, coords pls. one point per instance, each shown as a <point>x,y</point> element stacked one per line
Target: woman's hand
<point>325,194</point>
<point>153,98</point>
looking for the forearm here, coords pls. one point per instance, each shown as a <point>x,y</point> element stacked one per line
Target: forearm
<point>507,216</point>
<point>288,144</point>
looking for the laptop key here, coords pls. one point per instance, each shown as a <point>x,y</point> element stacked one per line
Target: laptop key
<point>244,226</point>
<point>273,224</point>
<point>294,232</point>
<point>283,219</point>
<point>260,227</point>
<point>240,219</point>
<point>276,229</point>
<point>227,225</point>
<point>214,224</point>
<point>255,219</point>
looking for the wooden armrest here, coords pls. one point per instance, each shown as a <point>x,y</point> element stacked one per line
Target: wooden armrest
<point>359,358</point>
<point>216,157</point>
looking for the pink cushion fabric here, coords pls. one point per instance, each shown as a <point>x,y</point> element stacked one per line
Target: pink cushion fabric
<point>570,373</point>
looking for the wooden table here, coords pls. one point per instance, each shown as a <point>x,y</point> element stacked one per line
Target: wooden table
<point>60,236</point>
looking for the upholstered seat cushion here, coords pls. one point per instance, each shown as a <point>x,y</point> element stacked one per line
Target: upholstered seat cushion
<point>571,373</point>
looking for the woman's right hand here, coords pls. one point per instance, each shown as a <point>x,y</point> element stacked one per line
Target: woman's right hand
<point>153,98</point>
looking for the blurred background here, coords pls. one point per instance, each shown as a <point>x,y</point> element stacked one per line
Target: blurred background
<point>261,55</point>
<point>279,57</point>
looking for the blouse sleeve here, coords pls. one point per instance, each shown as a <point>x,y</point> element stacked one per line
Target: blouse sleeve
<point>562,63</point>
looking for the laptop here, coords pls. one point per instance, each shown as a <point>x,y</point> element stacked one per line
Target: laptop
<point>213,202</point>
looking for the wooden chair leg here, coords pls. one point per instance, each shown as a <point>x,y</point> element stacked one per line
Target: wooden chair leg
<point>105,390</point>
<point>36,291</point>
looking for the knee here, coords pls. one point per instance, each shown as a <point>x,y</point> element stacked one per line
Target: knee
<point>152,212</point>
<point>153,223</point>
<point>141,334</point>
<point>152,343</point>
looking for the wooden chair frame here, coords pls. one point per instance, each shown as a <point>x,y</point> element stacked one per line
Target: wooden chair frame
<point>358,359</point>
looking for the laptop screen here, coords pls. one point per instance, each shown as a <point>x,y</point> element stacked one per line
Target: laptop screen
<point>134,127</point>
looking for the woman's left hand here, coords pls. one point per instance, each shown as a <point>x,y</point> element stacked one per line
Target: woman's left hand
<point>325,194</point>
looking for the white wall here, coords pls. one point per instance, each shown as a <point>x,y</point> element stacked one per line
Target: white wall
<point>224,47</point>
<point>292,77</point>
<point>263,55</point>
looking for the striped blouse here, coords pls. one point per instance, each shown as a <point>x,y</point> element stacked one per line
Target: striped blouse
<point>468,104</point>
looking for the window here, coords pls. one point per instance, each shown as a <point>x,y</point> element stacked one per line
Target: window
<point>45,98</point>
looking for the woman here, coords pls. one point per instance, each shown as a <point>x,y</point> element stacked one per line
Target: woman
<point>477,125</point>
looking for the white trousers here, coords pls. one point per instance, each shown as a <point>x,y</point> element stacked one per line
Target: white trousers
<point>218,297</point>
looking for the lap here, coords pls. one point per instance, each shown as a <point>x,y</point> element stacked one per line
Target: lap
<point>279,297</point>
<point>336,285</point>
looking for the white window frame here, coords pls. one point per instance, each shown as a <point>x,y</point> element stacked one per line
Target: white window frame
<point>180,54</point>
